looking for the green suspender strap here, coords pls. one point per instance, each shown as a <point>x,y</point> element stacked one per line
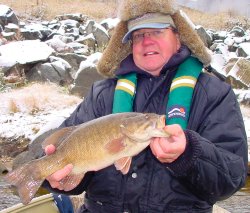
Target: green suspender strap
<point>181,91</point>
<point>125,93</point>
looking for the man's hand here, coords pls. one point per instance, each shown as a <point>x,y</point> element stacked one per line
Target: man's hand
<point>167,150</point>
<point>56,178</point>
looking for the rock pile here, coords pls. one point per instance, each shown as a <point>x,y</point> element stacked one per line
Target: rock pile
<point>65,50</point>
<point>57,51</point>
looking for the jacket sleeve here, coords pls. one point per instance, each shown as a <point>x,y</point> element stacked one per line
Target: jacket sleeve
<point>96,104</point>
<point>214,164</point>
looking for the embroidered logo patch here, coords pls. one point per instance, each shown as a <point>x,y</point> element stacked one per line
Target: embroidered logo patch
<point>177,111</point>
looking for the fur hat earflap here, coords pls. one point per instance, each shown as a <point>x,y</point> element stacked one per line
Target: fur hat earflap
<point>116,51</point>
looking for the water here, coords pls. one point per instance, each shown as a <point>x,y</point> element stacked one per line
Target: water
<point>7,197</point>
<point>238,203</point>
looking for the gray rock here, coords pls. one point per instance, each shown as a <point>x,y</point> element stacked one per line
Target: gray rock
<point>205,37</point>
<point>6,64</point>
<point>88,40</point>
<point>63,38</point>
<point>239,75</point>
<point>243,50</point>
<point>11,28</point>
<point>237,31</point>
<point>220,35</point>
<point>79,48</point>
<point>73,32</point>
<point>50,72</point>
<point>75,16</point>
<point>85,77</point>
<point>101,35</point>
<point>9,36</point>
<point>59,46</point>
<point>69,24</point>
<point>74,60</point>
<point>89,27</point>
<point>7,15</point>
<point>35,31</point>
<point>24,52</point>
<point>109,23</point>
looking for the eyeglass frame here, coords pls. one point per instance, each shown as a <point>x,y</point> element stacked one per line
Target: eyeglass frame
<point>160,31</point>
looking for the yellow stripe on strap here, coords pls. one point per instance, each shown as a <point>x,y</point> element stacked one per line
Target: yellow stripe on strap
<point>126,85</point>
<point>187,81</point>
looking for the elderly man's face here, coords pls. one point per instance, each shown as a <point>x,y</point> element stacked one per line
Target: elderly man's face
<point>152,48</point>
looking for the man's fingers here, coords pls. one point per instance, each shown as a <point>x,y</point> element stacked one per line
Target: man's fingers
<point>173,130</point>
<point>50,149</point>
<point>62,173</point>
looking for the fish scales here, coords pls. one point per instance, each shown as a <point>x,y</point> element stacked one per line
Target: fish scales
<point>94,145</point>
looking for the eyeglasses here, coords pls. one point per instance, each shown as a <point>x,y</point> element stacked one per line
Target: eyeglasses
<point>138,37</point>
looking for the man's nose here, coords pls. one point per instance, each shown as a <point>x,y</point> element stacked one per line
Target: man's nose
<point>147,38</point>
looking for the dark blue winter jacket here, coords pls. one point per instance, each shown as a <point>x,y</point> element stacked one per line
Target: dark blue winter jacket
<point>212,168</point>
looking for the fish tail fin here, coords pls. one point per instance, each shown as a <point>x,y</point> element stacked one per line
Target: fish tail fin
<point>27,181</point>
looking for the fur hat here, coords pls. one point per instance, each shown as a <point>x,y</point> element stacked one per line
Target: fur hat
<point>116,51</point>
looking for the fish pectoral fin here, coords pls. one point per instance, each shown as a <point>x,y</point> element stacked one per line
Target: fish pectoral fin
<point>123,164</point>
<point>115,146</point>
<point>58,136</point>
<point>71,181</point>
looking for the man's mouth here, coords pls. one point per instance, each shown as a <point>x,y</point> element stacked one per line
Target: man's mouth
<point>150,53</point>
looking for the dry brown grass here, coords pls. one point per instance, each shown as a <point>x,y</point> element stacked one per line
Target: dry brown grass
<point>35,98</point>
<point>48,9</point>
<point>217,21</point>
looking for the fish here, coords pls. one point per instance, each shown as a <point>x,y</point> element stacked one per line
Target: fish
<point>105,141</point>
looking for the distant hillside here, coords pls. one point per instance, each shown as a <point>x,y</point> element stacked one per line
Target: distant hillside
<point>241,7</point>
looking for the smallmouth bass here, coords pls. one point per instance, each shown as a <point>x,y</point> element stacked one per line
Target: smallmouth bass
<point>91,146</point>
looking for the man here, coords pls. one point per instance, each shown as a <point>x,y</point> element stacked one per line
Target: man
<point>204,160</point>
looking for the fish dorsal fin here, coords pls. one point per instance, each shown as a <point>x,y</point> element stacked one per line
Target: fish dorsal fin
<point>116,145</point>
<point>123,164</point>
<point>58,136</point>
<point>71,181</point>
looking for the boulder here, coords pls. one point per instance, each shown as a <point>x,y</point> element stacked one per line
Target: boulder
<point>59,46</point>
<point>86,76</point>
<point>101,35</point>
<point>237,31</point>
<point>56,71</point>
<point>243,50</point>
<point>88,28</point>
<point>75,16</point>
<point>88,40</point>
<point>79,48</point>
<point>35,31</point>
<point>28,51</point>
<point>205,37</point>
<point>74,60</point>
<point>7,16</point>
<point>6,63</point>
<point>239,75</point>
<point>11,28</point>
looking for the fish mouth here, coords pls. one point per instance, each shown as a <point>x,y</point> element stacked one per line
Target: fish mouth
<point>161,123</point>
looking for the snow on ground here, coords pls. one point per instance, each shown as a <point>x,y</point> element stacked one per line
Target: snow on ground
<point>25,111</point>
